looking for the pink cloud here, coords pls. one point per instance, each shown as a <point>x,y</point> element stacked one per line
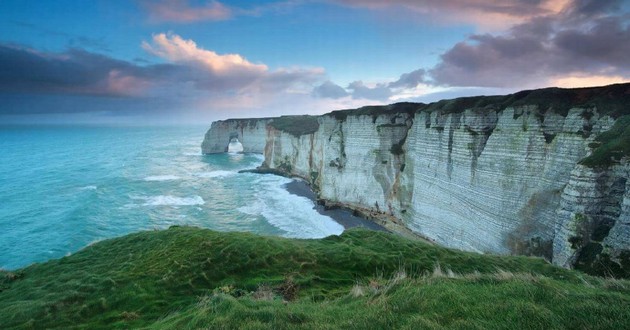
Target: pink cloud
<point>486,14</point>
<point>174,48</point>
<point>181,11</point>
<point>121,83</point>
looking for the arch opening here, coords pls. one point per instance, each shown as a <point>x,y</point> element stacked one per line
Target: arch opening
<point>235,146</point>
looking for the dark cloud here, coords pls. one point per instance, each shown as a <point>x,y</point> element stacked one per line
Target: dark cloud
<point>380,92</point>
<point>67,79</point>
<point>542,49</point>
<point>329,90</point>
<point>72,72</point>
<point>607,43</point>
<point>409,80</point>
<point>588,8</point>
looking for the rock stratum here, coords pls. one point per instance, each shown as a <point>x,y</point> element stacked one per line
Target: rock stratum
<point>541,172</point>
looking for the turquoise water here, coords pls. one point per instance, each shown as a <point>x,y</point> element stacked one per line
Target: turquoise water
<point>62,188</point>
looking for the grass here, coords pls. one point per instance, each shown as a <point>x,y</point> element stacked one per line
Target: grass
<point>187,277</point>
<point>377,110</point>
<point>296,125</point>
<point>611,146</point>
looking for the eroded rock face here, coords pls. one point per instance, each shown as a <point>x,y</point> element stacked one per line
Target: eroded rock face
<point>489,179</point>
<point>252,133</point>
<point>593,220</point>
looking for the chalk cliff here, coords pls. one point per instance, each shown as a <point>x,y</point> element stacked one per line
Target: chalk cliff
<point>250,132</point>
<point>528,173</point>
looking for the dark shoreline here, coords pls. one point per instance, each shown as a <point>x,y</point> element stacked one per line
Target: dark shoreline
<point>344,217</point>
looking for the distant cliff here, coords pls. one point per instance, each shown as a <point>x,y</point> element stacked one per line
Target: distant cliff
<point>527,173</point>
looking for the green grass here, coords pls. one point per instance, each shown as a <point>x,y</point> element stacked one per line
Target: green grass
<point>195,278</point>
<point>296,125</point>
<point>611,146</point>
<point>377,110</point>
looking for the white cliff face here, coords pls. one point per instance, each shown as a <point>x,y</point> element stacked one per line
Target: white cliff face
<point>360,165</point>
<point>594,215</point>
<point>289,153</point>
<point>251,133</point>
<point>619,236</point>
<point>498,195</point>
<point>500,180</point>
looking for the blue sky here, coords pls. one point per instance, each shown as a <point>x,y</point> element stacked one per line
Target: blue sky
<point>189,61</point>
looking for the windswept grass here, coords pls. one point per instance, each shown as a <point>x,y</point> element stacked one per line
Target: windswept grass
<point>296,125</point>
<point>195,278</point>
<point>612,145</point>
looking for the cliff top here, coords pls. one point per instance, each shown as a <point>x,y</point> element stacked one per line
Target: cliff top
<point>613,100</point>
<point>296,125</point>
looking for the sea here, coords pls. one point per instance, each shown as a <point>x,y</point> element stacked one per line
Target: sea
<point>65,187</point>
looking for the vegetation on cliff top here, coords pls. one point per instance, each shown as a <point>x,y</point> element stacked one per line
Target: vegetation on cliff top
<point>296,125</point>
<point>610,100</point>
<point>190,278</point>
<point>612,145</point>
<point>377,110</point>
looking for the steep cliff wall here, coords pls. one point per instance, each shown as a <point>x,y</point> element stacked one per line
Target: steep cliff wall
<point>489,174</point>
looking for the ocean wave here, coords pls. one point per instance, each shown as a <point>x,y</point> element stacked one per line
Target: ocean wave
<point>172,200</point>
<point>295,215</point>
<point>215,174</point>
<point>161,178</point>
<point>88,188</point>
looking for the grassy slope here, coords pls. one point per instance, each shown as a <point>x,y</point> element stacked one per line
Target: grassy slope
<point>612,145</point>
<point>296,125</point>
<point>190,277</point>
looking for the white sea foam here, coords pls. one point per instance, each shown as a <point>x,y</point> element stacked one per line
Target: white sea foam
<point>259,158</point>
<point>172,200</point>
<point>161,178</point>
<point>88,188</point>
<point>216,174</point>
<point>293,214</point>
<point>255,208</point>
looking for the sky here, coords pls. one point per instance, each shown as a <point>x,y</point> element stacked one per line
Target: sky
<point>196,61</point>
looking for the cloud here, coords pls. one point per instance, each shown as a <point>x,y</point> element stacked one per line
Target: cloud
<point>210,71</point>
<point>409,80</point>
<point>382,91</point>
<point>175,49</point>
<point>330,90</point>
<point>543,50</point>
<point>580,43</point>
<point>181,11</point>
<point>72,72</point>
<point>379,92</point>
<point>191,79</point>
<point>479,12</point>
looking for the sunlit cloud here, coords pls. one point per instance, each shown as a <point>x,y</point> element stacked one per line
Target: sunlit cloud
<point>175,49</point>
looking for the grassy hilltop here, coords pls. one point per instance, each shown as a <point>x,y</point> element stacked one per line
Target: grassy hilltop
<point>195,278</point>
